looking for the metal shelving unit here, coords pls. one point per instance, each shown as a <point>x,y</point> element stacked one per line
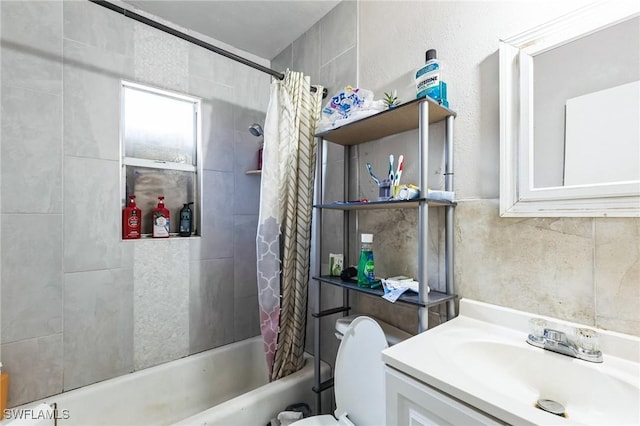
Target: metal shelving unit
<point>416,114</point>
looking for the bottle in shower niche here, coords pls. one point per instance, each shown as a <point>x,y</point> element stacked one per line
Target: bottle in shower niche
<point>160,218</point>
<point>366,275</point>
<point>186,220</point>
<point>131,220</point>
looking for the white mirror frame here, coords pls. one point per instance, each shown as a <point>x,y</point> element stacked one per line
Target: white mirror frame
<point>518,197</point>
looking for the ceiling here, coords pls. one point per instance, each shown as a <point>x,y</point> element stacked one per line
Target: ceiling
<point>263,28</point>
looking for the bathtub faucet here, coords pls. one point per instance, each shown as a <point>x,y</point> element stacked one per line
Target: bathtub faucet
<point>584,346</point>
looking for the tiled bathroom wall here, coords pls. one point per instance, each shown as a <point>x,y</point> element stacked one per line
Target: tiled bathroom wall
<point>580,269</point>
<point>77,304</point>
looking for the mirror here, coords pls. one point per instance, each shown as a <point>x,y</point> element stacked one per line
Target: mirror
<point>569,115</point>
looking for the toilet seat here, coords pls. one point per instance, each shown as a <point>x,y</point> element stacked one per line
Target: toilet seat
<point>359,378</point>
<point>393,334</point>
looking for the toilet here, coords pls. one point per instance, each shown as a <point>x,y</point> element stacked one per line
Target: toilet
<point>393,334</point>
<point>359,376</point>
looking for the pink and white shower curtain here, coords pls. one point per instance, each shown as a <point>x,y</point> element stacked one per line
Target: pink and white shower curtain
<point>283,240</point>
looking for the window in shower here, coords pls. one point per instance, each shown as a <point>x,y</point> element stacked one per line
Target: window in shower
<point>160,133</point>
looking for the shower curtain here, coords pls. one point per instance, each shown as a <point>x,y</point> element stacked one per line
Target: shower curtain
<point>284,226</point>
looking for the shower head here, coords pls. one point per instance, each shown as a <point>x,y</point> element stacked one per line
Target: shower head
<point>256,129</point>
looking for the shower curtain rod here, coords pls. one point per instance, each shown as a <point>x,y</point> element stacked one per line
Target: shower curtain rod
<point>190,39</point>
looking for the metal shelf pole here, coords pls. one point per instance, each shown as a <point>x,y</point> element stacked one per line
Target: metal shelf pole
<point>318,198</point>
<point>423,217</point>
<point>449,220</point>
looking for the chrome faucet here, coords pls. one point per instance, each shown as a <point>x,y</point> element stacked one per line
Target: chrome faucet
<point>584,346</point>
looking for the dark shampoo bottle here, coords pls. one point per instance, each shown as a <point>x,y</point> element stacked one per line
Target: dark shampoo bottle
<point>186,220</point>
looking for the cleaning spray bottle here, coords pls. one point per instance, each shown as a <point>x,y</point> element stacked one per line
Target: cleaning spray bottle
<point>186,220</point>
<point>366,275</point>
<point>131,220</point>
<point>160,218</point>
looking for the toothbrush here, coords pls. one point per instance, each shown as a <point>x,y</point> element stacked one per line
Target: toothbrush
<point>374,177</point>
<point>391,169</point>
<point>399,172</point>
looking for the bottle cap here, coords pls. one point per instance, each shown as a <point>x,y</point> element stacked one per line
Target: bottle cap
<point>431,54</point>
<point>366,238</point>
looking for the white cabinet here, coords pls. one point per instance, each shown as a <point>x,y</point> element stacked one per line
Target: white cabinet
<point>413,403</point>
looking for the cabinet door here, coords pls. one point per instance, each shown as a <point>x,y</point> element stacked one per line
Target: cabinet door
<point>412,403</point>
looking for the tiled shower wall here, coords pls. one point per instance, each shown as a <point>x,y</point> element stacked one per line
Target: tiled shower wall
<point>77,304</point>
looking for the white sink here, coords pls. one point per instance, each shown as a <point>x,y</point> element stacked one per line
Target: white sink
<point>482,358</point>
<point>590,393</point>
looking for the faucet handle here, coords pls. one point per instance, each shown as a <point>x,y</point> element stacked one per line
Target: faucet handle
<point>536,329</point>
<point>555,336</point>
<point>587,340</point>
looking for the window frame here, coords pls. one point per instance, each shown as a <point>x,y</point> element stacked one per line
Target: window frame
<point>196,169</point>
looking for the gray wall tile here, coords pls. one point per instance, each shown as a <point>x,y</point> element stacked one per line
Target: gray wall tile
<point>244,276</point>
<point>305,52</point>
<point>539,265</point>
<point>283,60</point>
<point>211,313</point>
<point>212,67</point>
<point>97,26</point>
<point>92,87</point>
<point>251,91</point>
<point>247,317</point>
<point>337,74</point>
<point>31,276</point>
<point>217,229</point>
<point>161,301</point>
<point>92,237</point>
<point>31,151</point>
<point>31,59</point>
<point>617,274</point>
<point>338,31</point>
<point>217,123</point>
<point>35,368</point>
<point>98,326</point>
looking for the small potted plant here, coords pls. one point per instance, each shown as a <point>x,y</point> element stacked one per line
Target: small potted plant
<point>391,99</point>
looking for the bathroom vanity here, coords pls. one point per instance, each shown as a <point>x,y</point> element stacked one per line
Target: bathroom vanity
<point>479,369</point>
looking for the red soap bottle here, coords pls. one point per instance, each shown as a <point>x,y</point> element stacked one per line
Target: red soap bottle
<point>160,217</point>
<point>131,220</point>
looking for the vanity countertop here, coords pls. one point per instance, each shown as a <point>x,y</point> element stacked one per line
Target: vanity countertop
<point>481,358</point>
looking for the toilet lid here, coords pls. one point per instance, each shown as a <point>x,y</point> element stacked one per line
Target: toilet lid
<point>359,375</point>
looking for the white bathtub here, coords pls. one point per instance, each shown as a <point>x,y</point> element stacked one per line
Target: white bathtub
<point>223,386</point>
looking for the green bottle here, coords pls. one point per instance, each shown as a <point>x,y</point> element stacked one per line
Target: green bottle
<point>366,275</point>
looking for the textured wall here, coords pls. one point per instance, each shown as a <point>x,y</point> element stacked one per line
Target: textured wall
<point>78,305</point>
<point>584,270</point>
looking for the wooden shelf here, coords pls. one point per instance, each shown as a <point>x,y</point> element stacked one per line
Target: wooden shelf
<point>253,172</point>
<point>434,297</point>
<point>376,205</point>
<point>389,122</point>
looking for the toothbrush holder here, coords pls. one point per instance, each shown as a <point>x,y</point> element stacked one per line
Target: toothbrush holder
<point>384,190</point>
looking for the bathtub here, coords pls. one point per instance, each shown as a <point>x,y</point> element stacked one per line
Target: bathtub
<point>223,386</point>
